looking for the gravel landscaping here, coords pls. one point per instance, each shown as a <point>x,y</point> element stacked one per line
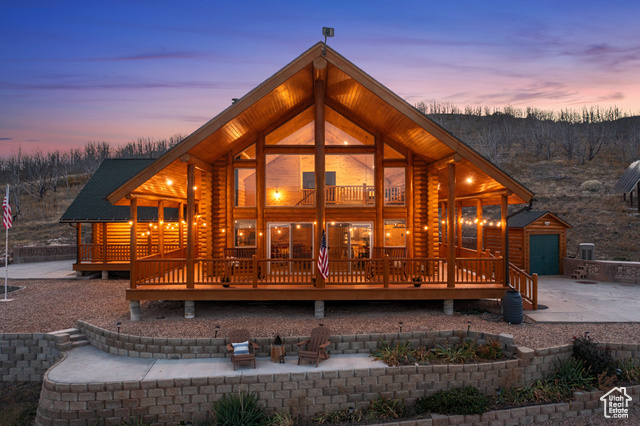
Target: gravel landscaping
<point>45,306</point>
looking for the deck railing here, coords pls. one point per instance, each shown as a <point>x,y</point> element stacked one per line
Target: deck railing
<point>264,272</point>
<point>95,253</point>
<point>478,270</point>
<point>168,269</point>
<point>526,284</point>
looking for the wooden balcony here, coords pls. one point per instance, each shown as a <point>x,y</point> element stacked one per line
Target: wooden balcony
<point>113,257</point>
<point>352,195</point>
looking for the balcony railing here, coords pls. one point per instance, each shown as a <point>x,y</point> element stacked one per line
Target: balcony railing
<point>355,195</point>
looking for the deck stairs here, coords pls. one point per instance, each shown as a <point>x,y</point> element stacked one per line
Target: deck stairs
<point>70,338</point>
<point>580,272</point>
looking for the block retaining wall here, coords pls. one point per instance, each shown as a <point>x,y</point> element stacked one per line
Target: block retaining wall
<point>26,357</point>
<point>168,402</point>
<point>30,254</point>
<point>168,348</point>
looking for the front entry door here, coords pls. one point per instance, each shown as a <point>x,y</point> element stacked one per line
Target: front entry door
<point>544,254</point>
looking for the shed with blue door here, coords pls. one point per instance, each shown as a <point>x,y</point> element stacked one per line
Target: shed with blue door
<point>537,242</point>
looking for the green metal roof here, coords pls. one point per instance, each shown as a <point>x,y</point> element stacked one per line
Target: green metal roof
<point>91,204</point>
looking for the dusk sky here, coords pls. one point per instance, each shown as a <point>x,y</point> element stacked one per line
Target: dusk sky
<point>74,72</point>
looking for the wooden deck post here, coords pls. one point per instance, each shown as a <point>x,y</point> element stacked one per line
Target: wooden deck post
<point>191,216</point>
<point>459,223</point>
<point>451,222</point>
<point>230,201</point>
<point>408,199</point>
<point>180,225</point>
<point>385,270</point>
<point>260,197</point>
<point>479,229</point>
<point>320,172</point>
<point>254,271</point>
<point>535,291</point>
<point>78,227</point>
<point>133,242</point>
<point>378,176</point>
<point>504,212</point>
<point>161,228</point>
<point>104,242</point>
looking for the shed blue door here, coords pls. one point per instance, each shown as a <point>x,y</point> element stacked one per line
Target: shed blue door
<point>544,254</point>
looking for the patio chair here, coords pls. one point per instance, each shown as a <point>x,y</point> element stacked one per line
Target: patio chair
<point>242,348</point>
<point>316,346</point>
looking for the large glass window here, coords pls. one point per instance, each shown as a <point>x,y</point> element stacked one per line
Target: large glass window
<point>394,186</point>
<point>395,233</point>
<point>342,131</point>
<point>354,180</point>
<point>245,233</point>
<point>285,183</point>
<point>300,130</point>
<point>245,187</point>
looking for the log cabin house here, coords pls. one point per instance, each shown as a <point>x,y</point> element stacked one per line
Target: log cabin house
<point>319,147</point>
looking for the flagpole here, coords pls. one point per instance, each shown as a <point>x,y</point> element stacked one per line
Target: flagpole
<point>6,245</point>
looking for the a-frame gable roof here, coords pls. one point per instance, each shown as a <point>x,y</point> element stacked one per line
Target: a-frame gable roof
<point>350,92</point>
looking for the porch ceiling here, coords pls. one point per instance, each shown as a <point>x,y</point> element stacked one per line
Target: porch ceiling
<point>352,95</point>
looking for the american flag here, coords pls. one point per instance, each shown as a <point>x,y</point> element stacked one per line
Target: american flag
<point>6,211</point>
<point>323,258</point>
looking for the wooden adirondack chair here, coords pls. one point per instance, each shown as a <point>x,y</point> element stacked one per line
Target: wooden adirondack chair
<point>239,336</point>
<point>316,346</point>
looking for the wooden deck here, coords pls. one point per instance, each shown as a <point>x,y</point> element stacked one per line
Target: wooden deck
<point>286,279</point>
<point>306,292</point>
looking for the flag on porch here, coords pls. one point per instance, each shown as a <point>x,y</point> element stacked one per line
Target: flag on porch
<point>323,258</point>
<point>6,211</point>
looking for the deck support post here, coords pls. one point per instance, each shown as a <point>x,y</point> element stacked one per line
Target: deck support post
<point>451,222</point>
<point>191,217</point>
<point>479,230</point>
<point>319,309</point>
<point>78,227</point>
<point>104,243</point>
<point>181,225</point>
<point>133,243</point>
<point>408,199</point>
<point>105,275</point>
<point>459,223</point>
<point>448,307</point>
<point>319,94</point>
<point>189,309</point>
<point>134,309</point>
<point>161,228</point>
<point>378,176</point>
<point>504,212</point>
<point>260,197</point>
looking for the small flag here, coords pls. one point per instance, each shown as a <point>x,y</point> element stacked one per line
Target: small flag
<point>323,258</point>
<point>6,211</point>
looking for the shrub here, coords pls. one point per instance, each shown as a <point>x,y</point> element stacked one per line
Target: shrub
<point>598,359</point>
<point>383,408</point>
<point>466,352</point>
<point>281,419</point>
<point>239,409</point>
<point>573,374</point>
<point>491,350</point>
<point>467,400</point>
<point>628,371</point>
<point>341,416</point>
<point>401,354</point>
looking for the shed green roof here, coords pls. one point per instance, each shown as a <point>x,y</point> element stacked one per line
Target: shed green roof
<point>91,204</point>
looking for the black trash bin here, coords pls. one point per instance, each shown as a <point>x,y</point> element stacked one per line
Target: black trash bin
<point>512,307</point>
